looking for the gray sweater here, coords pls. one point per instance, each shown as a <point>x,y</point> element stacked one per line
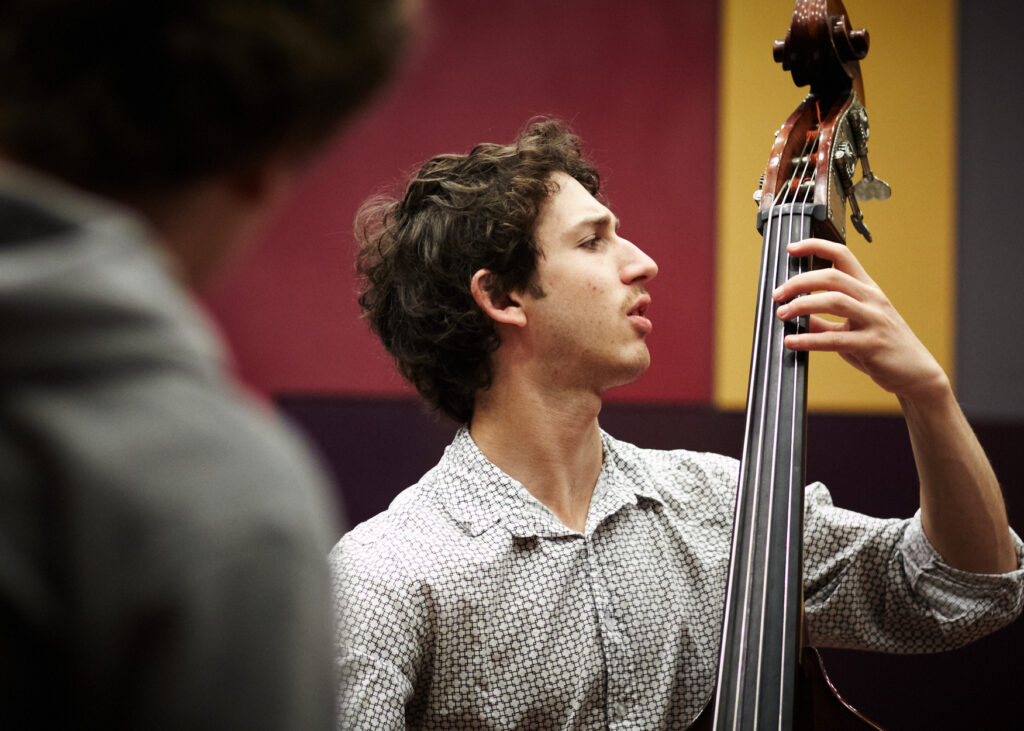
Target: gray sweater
<point>162,539</point>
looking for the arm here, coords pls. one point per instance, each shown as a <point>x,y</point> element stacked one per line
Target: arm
<point>962,509</point>
<point>878,584</point>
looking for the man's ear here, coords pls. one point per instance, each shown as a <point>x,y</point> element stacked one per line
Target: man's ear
<point>505,309</point>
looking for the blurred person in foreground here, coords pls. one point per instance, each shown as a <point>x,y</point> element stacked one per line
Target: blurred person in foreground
<point>162,538</point>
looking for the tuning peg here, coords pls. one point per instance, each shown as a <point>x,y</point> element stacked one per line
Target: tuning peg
<point>845,164</point>
<point>858,223</point>
<point>851,44</point>
<point>760,191</point>
<point>870,188</point>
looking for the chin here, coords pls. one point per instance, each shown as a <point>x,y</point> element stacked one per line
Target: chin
<point>642,363</point>
<point>632,372</point>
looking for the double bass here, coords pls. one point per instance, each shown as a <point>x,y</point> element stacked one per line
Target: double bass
<point>767,679</point>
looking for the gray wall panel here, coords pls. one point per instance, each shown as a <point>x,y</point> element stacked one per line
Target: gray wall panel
<point>990,301</point>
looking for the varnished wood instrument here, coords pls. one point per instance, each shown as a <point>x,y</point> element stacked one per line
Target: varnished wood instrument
<point>766,678</point>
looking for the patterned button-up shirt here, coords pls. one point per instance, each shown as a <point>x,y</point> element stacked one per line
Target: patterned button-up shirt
<point>468,604</point>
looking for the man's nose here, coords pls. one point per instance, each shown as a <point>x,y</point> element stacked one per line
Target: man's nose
<point>638,265</point>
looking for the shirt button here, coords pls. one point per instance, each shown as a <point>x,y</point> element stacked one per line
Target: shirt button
<point>620,710</point>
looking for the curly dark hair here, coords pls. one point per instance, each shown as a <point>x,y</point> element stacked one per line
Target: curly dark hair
<point>418,255</point>
<point>130,98</point>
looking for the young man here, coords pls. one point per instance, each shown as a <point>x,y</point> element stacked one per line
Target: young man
<point>162,538</point>
<point>547,575</point>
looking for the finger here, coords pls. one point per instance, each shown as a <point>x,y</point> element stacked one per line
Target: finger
<point>822,279</point>
<point>835,341</point>
<point>817,324</point>
<point>840,255</point>
<point>834,303</point>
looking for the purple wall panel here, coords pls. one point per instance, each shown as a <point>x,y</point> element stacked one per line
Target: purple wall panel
<point>377,447</point>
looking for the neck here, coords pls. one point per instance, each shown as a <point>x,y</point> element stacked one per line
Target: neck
<point>205,223</point>
<point>202,226</point>
<point>549,442</point>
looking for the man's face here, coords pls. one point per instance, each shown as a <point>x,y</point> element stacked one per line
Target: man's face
<point>590,324</point>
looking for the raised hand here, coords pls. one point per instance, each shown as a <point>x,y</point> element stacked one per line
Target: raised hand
<point>872,336</point>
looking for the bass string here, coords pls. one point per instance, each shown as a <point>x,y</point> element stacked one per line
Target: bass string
<point>793,483</point>
<point>745,466</point>
<point>763,303</point>
<point>771,422</point>
<point>739,645</point>
<point>749,457</point>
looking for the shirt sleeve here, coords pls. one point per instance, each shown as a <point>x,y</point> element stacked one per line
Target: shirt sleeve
<point>878,584</point>
<point>380,639</point>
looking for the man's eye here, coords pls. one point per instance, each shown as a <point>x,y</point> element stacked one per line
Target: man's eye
<point>591,243</point>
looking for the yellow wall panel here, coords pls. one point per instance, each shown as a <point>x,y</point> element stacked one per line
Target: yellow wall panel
<point>910,89</point>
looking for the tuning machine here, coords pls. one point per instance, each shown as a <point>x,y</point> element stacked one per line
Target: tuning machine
<point>869,187</point>
<point>845,163</point>
<point>759,193</point>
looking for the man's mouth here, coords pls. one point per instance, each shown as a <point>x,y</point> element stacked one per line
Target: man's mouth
<point>640,306</point>
<point>638,314</point>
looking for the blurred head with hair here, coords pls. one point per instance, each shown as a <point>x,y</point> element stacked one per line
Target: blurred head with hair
<point>134,99</point>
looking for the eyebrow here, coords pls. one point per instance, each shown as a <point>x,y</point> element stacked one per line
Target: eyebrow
<point>596,221</point>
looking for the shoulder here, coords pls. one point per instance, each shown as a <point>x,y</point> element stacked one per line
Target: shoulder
<point>210,464</point>
<point>395,576</point>
<point>677,471</point>
<point>695,489</point>
<point>414,552</point>
<point>118,401</point>
<point>132,467</point>
<point>414,538</point>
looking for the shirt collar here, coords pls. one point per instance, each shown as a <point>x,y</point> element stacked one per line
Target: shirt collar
<point>478,495</point>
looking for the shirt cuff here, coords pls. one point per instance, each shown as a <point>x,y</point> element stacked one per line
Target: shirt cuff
<point>955,589</point>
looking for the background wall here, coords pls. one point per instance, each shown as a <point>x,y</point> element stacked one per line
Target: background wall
<point>636,80</point>
<point>677,102</point>
<point>990,319</point>
<point>910,88</point>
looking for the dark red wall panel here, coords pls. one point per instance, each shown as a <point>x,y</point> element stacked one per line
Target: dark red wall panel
<point>636,81</point>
